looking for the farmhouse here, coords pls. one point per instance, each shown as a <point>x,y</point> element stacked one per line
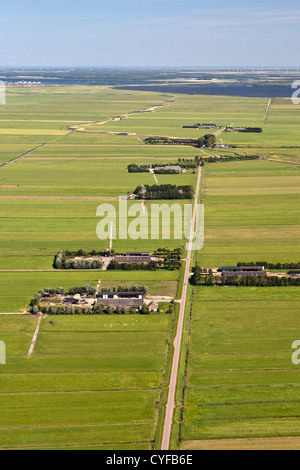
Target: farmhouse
<point>123,299</point>
<point>252,271</point>
<point>134,257</point>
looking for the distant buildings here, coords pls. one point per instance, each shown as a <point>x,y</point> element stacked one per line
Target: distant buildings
<point>134,257</point>
<point>171,168</point>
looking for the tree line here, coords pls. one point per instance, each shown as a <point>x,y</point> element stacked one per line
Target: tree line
<point>199,278</point>
<point>62,260</point>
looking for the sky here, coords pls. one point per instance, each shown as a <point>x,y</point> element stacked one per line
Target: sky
<point>192,33</point>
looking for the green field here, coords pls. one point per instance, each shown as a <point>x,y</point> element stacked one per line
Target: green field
<point>92,382</point>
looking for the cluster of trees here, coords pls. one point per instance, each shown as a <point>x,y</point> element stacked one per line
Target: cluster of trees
<point>169,255</point>
<point>171,308</point>
<point>182,162</point>
<point>164,191</point>
<point>83,264</point>
<point>199,125</point>
<point>257,130</point>
<point>63,260</point>
<point>97,309</point>
<point>85,254</point>
<point>261,281</point>
<point>208,140</point>
<point>42,292</point>
<point>142,289</point>
<point>166,171</point>
<point>228,158</point>
<point>152,266</point>
<point>197,277</point>
<point>268,265</point>
<point>84,290</point>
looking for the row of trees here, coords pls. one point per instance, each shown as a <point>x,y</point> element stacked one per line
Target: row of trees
<point>65,260</point>
<point>42,293</point>
<point>134,168</point>
<point>169,255</point>
<point>164,191</point>
<point>256,130</point>
<point>200,279</point>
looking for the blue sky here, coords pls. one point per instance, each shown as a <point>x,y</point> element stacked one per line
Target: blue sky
<point>150,33</point>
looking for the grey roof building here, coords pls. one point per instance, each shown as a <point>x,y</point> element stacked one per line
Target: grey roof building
<point>176,168</point>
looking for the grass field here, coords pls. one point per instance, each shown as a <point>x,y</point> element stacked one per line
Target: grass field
<point>101,382</point>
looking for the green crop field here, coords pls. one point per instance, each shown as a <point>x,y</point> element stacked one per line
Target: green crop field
<point>101,382</point>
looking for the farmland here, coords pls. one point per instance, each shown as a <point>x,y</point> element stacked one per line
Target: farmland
<point>100,382</point>
<point>92,383</point>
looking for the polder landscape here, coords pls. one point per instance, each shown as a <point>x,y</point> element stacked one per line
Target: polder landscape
<point>101,381</point>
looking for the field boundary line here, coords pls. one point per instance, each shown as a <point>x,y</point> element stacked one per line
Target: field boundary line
<point>23,155</point>
<point>34,339</point>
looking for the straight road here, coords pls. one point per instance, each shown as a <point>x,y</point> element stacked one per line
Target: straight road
<point>178,340</point>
